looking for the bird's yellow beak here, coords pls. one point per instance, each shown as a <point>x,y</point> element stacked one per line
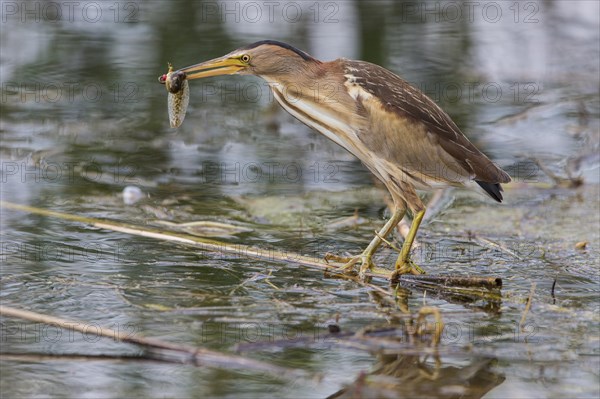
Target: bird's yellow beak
<point>216,67</point>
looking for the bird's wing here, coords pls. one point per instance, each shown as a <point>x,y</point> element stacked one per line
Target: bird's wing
<point>408,128</point>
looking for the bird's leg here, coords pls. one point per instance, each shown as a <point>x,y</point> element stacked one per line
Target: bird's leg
<point>403,263</point>
<point>367,254</point>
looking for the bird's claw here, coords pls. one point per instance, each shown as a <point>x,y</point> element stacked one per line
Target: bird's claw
<point>349,262</point>
<point>336,258</point>
<point>406,267</point>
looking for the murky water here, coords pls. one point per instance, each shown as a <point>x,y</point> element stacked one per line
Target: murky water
<point>83,117</point>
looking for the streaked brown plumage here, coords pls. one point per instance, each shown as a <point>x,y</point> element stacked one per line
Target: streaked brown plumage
<point>398,132</point>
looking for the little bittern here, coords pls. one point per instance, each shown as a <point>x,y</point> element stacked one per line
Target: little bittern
<point>399,133</point>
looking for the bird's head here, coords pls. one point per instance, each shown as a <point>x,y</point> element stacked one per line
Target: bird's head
<point>267,58</point>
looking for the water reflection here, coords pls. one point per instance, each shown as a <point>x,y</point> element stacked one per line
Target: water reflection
<point>415,377</point>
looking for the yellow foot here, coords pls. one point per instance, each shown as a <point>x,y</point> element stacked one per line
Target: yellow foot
<point>365,263</point>
<point>406,267</point>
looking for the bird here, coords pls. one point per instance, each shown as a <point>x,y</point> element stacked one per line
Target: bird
<point>400,134</point>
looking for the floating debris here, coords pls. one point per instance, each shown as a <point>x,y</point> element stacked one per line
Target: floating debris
<point>205,228</point>
<point>179,95</point>
<point>132,194</point>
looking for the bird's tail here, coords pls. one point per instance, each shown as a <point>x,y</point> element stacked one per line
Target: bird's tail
<point>493,189</point>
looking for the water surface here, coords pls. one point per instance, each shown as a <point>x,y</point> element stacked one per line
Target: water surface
<point>83,117</point>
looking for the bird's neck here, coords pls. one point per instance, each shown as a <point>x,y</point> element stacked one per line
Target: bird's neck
<point>320,101</point>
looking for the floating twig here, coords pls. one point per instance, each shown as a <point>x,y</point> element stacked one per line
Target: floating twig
<point>456,288</point>
<point>484,242</point>
<point>568,182</point>
<point>163,350</point>
<point>281,255</point>
<point>527,307</point>
<point>37,357</point>
<point>451,281</point>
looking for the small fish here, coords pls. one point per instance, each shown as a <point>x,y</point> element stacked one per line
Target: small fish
<point>179,95</point>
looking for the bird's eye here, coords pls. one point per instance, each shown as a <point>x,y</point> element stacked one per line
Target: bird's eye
<point>245,58</point>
